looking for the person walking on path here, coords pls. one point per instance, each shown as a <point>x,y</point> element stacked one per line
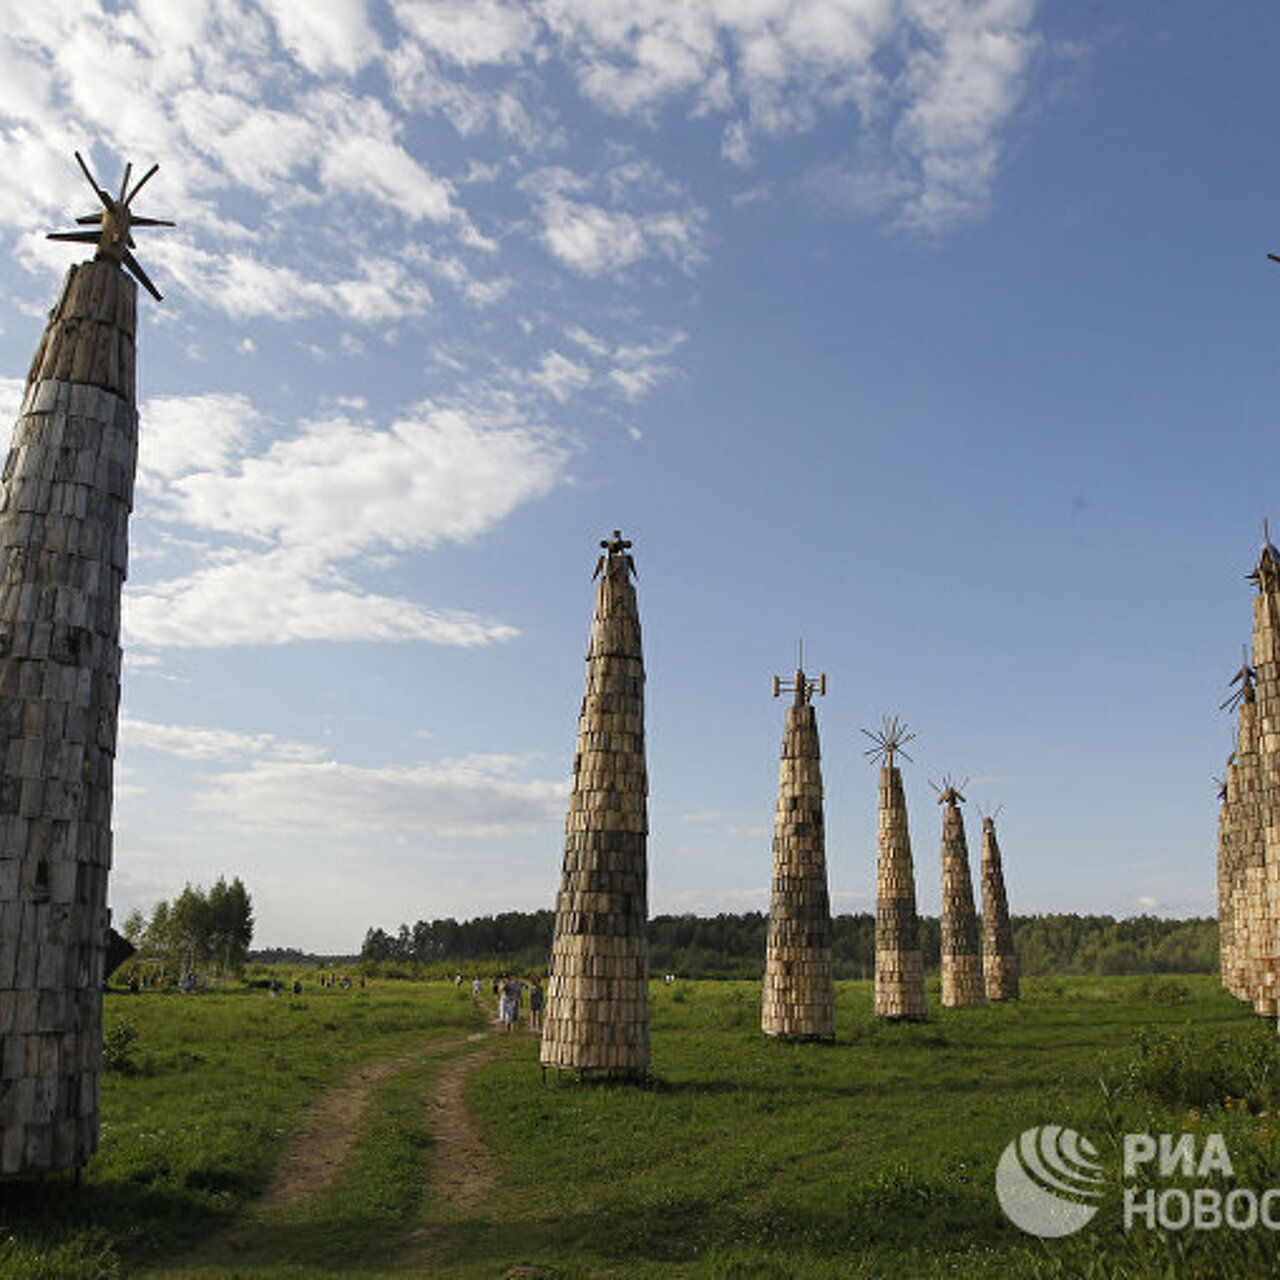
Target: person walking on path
<point>535,1004</point>
<point>509,1002</point>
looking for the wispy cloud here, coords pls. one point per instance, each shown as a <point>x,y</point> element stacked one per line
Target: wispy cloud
<point>473,797</point>
<point>602,227</point>
<point>210,744</point>
<point>280,598</point>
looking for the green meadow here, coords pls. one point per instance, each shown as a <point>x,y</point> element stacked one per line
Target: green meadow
<point>390,1131</point>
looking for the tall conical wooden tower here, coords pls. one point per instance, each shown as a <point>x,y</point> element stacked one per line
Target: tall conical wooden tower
<point>64,512</point>
<point>999,963</point>
<point>961,958</point>
<point>597,1015</point>
<point>899,989</point>
<point>1249,834</point>
<point>799,993</point>
<point>1241,844</point>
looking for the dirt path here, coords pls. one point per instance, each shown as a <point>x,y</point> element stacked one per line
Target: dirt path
<point>317,1153</point>
<point>461,1171</point>
<point>460,1177</point>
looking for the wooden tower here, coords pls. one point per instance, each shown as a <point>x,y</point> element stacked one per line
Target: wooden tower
<point>1249,833</point>
<point>961,958</point>
<point>1241,843</point>
<point>64,512</point>
<point>999,963</point>
<point>799,994</point>
<point>899,991</point>
<point>597,1015</point>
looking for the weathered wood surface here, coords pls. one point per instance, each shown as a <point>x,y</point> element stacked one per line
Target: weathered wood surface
<point>1249,817</point>
<point>64,511</point>
<point>999,962</point>
<point>961,958</point>
<point>799,992</point>
<point>899,985</point>
<point>597,1014</point>
<point>89,339</point>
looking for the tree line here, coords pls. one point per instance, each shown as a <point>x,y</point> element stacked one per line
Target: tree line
<point>733,945</point>
<point>201,931</point>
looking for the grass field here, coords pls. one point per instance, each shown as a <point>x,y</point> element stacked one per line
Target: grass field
<point>874,1156</point>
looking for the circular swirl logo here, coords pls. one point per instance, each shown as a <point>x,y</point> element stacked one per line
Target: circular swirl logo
<point>1046,1180</point>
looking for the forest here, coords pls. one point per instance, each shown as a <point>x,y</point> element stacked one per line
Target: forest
<point>732,946</point>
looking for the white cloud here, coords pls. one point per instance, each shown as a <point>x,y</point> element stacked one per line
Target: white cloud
<point>257,146</point>
<point>962,82</point>
<point>469,32</point>
<point>630,57</point>
<point>192,433</point>
<point>420,83</point>
<point>560,377</point>
<point>363,157</point>
<point>332,36</point>
<point>474,797</point>
<point>591,239</point>
<point>587,340</point>
<point>934,81</point>
<point>736,146</point>
<point>334,491</point>
<point>640,367</point>
<point>280,598</point>
<point>245,287</point>
<point>11,392</point>
<point>210,744</point>
<point>341,486</point>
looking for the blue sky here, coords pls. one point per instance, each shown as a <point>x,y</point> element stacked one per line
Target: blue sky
<point>938,332</point>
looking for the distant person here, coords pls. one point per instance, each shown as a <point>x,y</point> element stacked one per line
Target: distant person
<point>509,1002</point>
<point>297,986</point>
<point>535,1004</point>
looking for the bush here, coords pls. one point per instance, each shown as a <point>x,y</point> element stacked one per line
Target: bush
<point>1180,1069</point>
<point>117,1049</point>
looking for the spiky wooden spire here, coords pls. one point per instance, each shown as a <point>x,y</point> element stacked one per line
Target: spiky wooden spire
<point>116,220</point>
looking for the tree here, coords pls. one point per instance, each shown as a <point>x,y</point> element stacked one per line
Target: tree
<point>200,929</point>
<point>230,925</point>
<point>135,927</point>
<point>156,940</point>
